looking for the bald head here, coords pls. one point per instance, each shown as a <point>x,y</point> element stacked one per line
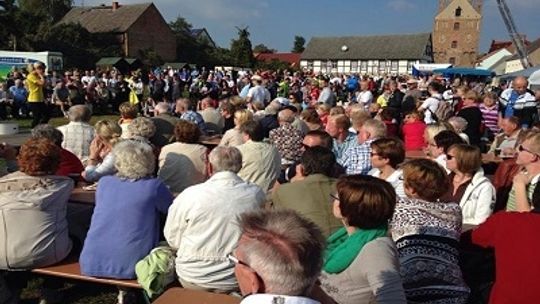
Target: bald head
<point>520,84</point>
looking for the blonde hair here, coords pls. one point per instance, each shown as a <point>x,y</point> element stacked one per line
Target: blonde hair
<point>109,131</point>
<point>433,129</point>
<point>242,116</point>
<point>534,138</point>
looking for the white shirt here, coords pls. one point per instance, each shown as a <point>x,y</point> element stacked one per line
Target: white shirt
<point>365,97</point>
<point>395,179</point>
<point>441,160</point>
<point>259,94</point>
<point>263,298</point>
<point>202,226</point>
<point>77,139</point>
<point>432,103</point>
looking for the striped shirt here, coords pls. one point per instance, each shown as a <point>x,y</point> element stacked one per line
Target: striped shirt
<point>490,117</point>
<point>511,204</point>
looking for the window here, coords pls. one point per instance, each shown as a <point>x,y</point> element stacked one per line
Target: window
<point>452,60</point>
<point>354,66</point>
<point>454,44</point>
<point>363,65</point>
<point>458,11</point>
<point>394,65</point>
<point>456,26</point>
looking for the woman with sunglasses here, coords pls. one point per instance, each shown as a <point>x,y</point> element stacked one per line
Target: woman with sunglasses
<point>386,155</point>
<point>525,182</point>
<point>468,185</point>
<point>360,263</point>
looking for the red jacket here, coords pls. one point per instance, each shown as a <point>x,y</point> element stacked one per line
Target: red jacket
<point>69,164</point>
<point>516,241</point>
<point>413,135</point>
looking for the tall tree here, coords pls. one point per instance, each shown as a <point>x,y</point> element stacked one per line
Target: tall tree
<point>298,46</point>
<point>261,48</point>
<point>241,49</point>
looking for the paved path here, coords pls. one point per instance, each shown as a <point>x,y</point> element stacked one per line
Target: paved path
<point>16,139</point>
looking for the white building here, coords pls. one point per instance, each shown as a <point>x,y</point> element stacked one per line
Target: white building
<point>376,55</point>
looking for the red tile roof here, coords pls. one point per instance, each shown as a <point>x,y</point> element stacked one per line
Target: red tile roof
<point>292,58</point>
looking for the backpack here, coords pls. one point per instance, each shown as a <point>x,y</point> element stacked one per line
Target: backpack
<point>444,111</point>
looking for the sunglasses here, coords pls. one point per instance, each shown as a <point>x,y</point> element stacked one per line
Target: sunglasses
<point>449,157</point>
<point>521,149</point>
<point>334,197</point>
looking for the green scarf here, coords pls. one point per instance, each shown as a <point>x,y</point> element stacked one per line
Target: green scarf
<point>342,248</point>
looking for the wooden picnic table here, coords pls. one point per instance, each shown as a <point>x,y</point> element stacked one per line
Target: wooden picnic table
<point>81,196</point>
<point>189,296</point>
<point>486,157</point>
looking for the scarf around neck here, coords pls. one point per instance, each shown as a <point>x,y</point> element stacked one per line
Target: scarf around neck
<point>342,248</point>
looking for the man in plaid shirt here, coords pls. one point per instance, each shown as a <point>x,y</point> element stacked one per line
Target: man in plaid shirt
<point>357,159</point>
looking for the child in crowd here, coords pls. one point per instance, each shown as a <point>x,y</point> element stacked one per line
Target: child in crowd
<point>413,131</point>
<point>324,111</point>
<point>490,112</point>
<point>128,112</point>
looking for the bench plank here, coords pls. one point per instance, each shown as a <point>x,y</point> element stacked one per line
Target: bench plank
<point>188,296</point>
<point>70,269</point>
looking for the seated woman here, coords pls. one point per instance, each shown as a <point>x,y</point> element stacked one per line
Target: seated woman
<point>361,263</point>
<point>33,202</point>
<point>386,155</point>
<point>101,161</point>
<point>426,231</point>
<point>440,145</point>
<point>125,223</point>
<point>233,137</point>
<point>469,186</point>
<point>186,154</point>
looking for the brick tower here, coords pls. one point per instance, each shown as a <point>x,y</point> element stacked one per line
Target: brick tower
<point>456,32</point>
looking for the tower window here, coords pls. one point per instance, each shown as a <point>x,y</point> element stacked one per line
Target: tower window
<point>458,11</point>
<point>452,60</point>
<point>454,44</point>
<point>456,26</point>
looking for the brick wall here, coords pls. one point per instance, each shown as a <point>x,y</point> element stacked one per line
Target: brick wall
<point>459,42</point>
<point>151,31</point>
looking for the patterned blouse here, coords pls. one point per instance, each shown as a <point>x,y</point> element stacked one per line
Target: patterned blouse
<point>288,141</point>
<point>427,236</point>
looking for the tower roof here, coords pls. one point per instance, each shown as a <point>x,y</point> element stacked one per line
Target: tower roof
<point>467,11</point>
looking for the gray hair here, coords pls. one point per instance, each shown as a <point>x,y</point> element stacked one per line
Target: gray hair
<point>49,132</point>
<point>133,159</point>
<point>225,159</point>
<point>375,127</point>
<point>142,126</point>
<point>459,123</point>
<point>79,113</point>
<point>286,115</point>
<point>284,248</point>
<point>162,107</point>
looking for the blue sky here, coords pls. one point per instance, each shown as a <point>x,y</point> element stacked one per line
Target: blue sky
<point>276,22</point>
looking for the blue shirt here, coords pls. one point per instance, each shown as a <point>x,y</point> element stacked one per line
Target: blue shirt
<point>357,159</point>
<point>339,148</point>
<point>124,227</point>
<point>20,94</point>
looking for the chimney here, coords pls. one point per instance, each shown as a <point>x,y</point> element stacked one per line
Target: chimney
<point>115,5</point>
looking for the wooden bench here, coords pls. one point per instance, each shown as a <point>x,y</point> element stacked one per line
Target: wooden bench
<point>187,296</point>
<point>70,269</point>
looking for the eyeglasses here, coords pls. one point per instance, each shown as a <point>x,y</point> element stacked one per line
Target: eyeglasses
<point>334,197</point>
<point>521,149</point>
<point>449,157</point>
<point>235,260</point>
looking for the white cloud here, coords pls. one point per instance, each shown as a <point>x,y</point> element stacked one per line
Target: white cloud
<point>400,5</point>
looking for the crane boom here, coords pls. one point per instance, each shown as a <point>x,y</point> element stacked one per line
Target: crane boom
<point>512,30</point>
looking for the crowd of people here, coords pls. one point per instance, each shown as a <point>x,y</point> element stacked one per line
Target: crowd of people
<point>309,195</point>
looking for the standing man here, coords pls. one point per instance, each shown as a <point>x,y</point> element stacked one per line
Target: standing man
<point>518,101</point>
<point>326,96</point>
<point>36,100</point>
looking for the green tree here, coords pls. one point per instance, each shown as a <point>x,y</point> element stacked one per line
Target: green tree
<point>298,46</point>
<point>241,49</point>
<point>8,30</point>
<point>261,48</point>
<point>150,57</point>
